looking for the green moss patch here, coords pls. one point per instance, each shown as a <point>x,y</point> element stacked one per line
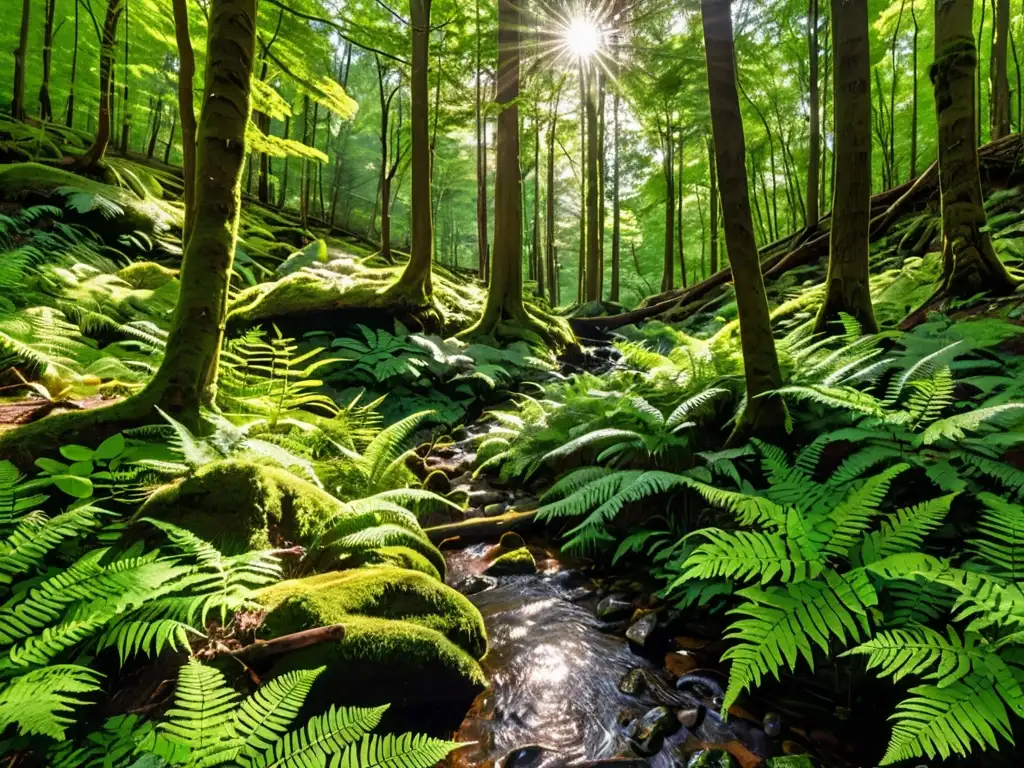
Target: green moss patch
<point>398,556</point>
<point>515,562</point>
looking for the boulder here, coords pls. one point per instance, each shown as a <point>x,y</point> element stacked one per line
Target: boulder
<point>640,631</point>
<point>614,607</point>
<point>518,561</point>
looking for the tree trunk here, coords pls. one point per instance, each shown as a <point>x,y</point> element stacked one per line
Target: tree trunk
<point>970,264</point>
<point>481,164</point>
<point>913,101</point>
<point>535,250</point>
<point>613,293</point>
<point>581,275</point>
<point>155,134</point>
<point>848,287</point>
<point>282,195</point>
<point>20,62</point>
<point>45,107</point>
<point>186,111</point>
<point>69,119</point>
<point>763,414</point>
<point>977,74</point>
<point>126,121</point>
<point>892,97</point>
<point>678,183</point>
<point>414,284</point>
<point>170,138</point>
<point>593,273</point>
<point>713,218</point>
<point>98,148</point>
<point>668,164</point>
<point>549,213</point>
<point>814,148</point>
<point>1000,85</point>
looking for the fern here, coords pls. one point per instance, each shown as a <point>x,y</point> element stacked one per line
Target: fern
<point>1000,546</point>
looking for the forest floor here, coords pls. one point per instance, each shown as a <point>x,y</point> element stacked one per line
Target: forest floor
<point>408,484</point>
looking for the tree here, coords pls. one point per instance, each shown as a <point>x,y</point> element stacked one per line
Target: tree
<point>94,155</point>
<point>593,263</point>
<point>814,143</point>
<point>45,106</point>
<point>764,412</point>
<point>186,110</point>
<point>20,59</point>
<point>391,153</point>
<point>969,262</point>
<point>414,285</point>
<point>848,286</point>
<point>186,379</point>
<point>1000,87</point>
<point>668,163</point>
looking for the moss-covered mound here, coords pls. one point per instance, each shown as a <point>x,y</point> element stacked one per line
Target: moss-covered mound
<point>240,506</point>
<point>511,563</point>
<point>398,556</point>
<point>409,639</point>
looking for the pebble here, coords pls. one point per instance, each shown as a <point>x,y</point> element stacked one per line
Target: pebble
<point>634,682</point>
<point>493,510</point>
<point>614,607</point>
<point>472,585</point>
<point>689,718</point>
<point>680,662</point>
<point>772,724</point>
<point>652,729</point>
<point>711,758</point>
<point>640,631</point>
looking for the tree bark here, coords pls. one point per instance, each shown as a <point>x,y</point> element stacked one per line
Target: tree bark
<point>668,164</point>
<point>713,218</point>
<point>970,264</point>
<point>814,147</point>
<point>613,293</point>
<point>535,249</point>
<point>892,97</point>
<point>549,213</point>
<point>45,107</point>
<point>282,195</point>
<point>481,164</point>
<point>186,111</point>
<point>170,138</point>
<point>126,116</point>
<point>593,268</point>
<point>69,118</point>
<point>415,285</point>
<point>848,284</point>
<point>20,62</point>
<point>98,149</point>
<point>764,412</point>
<point>913,101</point>
<point>1000,85</point>
<point>158,113</point>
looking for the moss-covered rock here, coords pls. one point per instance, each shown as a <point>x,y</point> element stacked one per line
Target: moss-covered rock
<point>147,275</point>
<point>239,506</point>
<point>408,638</point>
<point>398,556</point>
<point>511,563</point>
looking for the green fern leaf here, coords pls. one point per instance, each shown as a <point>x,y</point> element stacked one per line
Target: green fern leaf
<point>265,716</point>
<point>323,735</point>
<point>391,751</point>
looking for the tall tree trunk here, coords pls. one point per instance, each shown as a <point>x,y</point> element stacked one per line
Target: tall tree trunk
<point>613,293</point>
<point>98,148</point>
<point>814,147</point>
<point>913,98</point>
<point>282,195</point>
<point>1016,67</point>
<point>481,164</point>
<point>593,273</point>
<point>69,119</point>
<point>158,114</point>
<point>764,413</point>
<point>977,74</point>
<point>679,212</point>
<point>892,96</point>
<point>771,158</point>
<point>848,286</point>
<point>713,198</point>
<point>1000,86</point>
<point>668,164</point>
<point>170,138</point>
<point>126,120</point>
<point>415,284</point>
<point>549,213</point>
<point>536,255</point>
<point>601,172</point>
<point>45,107</point>
<point>970,264</point>
<point>582,270</point>
<point>186,111</point>
<point>20,62</point>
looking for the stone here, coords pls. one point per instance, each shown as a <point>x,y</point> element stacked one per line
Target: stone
<point>680,662</point>
<point>772,724</point>
<point>533,756</point>
<point>511,540</point>
<point>791,761</point>
<point>634,682</point>
<point>652,729</point>
<point>475,584</point>
<point>639,632</point>
<point>517,562</point>
<point>493,510</point>
<point>481,498</point>
<point>711,758</point>
<point>690,718</point>
<point>525,504</point>
<point>613,608</point>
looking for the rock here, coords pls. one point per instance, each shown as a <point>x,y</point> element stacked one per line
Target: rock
<point>481,498</point>
<point>772,724</point>
<point>711,758</point>
<point>652,729</point>
<point>525,504</point>
<point>639,631</point>
<point>400,557</point>
<point>493,510</point>
<point>689,643</point>
<point>518,561</point>
<point>613,608</point>
<point>475,584</point>
<point>690,718</point>
<point>408,639</point>
<point>511,540</point>
<point>534,756</point>
<point>147,275</point>
<point>680,662</point>
<point>704,684</point>
<point>634,682</point>
<point>438,482</point>
<point>314,254</point>
<point>791,761</point>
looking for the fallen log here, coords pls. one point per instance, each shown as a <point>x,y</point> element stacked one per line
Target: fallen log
<point>262,650</point>
<point>478,528</point>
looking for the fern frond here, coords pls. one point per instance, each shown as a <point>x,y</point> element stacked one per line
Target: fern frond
<point>395,751</point>
<point>956,427</point>
<point>265,716</point>
<point>748,556</point>
<point>1001,545</point>
<point>322,736</point>
<point>201,717</point>
<point>38,702</point>
<point>905,529</point>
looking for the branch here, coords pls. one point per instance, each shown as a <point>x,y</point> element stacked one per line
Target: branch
<point>265,649</point>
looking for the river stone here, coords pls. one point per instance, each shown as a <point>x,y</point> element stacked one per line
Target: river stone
<point>474,584</point>
<point>652,729</point>
<point>481,498</point>
<point>791,761</point>
<point>493,510</point>
<point>511,540</point>
<point>772,724</point>
<point>614,607</point>
<point>533,756</point>
<point>711,758</point>
<point>678,663</point>
<point>634,682</point>
<point>639,631</point>
<point>516,562</point>
<point>688,718</point>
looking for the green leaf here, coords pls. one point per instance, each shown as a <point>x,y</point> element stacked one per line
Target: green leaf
<point>79,487</point>
<point>76,452</point>
<point>110,448</point>
<point>51,466</point>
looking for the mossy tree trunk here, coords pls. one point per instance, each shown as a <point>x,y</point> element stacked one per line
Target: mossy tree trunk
<point>414,286</point>
<point>45,106</point>
<point>970,264</point>
<point>481,163</point>
<point>847,287</point>
<point>390,156</point>
<point>69,118</point>
<point>94,155</point>
<point>549,207</point>
<point>186,110</point>
<point>814,144</point>
<point>763,414</point>
<point>20,61</point>
<point>187,375</point>
<point>126,120</point>
<point>593,268</point>
<point>713,203</point>
<point>1000,86</point>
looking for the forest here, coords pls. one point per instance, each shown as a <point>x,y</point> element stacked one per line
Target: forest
<point>511,383</point>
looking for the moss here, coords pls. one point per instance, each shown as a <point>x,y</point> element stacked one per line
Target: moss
<point>239,506</point>
<point>408,637</point>
<point>32,182</point>
<point>515,562</point>
<point>398,556</point>
<point>147,275</point>
<point>510,540</point>
<point>382,592</point>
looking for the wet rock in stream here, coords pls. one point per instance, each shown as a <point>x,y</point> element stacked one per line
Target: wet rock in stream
<point>640,631</point>
<point>613,608</point>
